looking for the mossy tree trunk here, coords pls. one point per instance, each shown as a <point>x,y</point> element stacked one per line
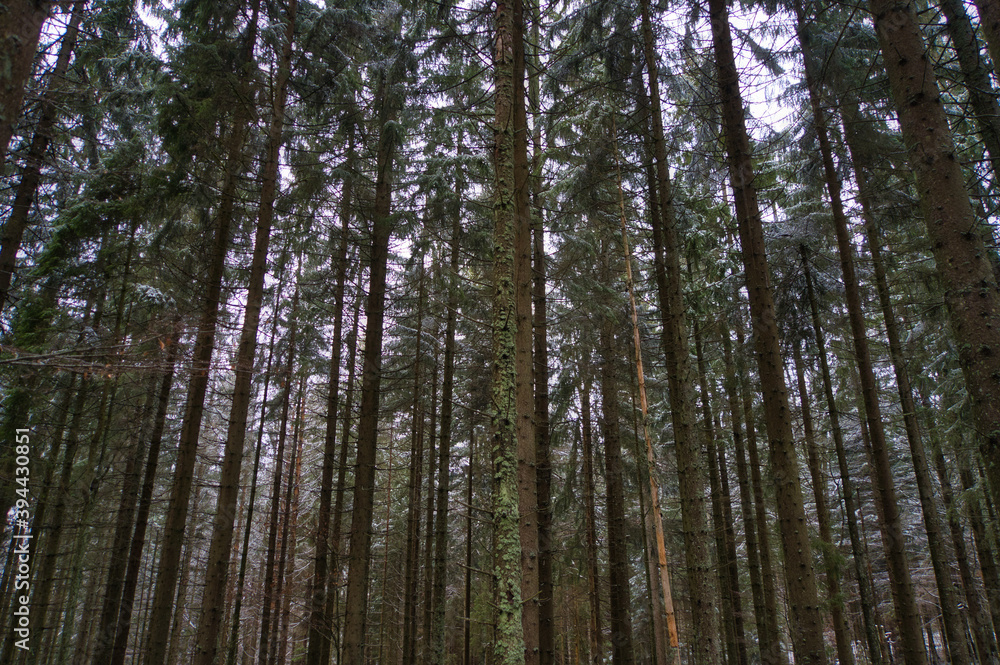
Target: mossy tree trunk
<point>509,642</point>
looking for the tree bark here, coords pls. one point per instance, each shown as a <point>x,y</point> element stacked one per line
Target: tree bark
<point>620,599</point>
<point>20,29</point>
<point>119,639</point>
<point>444,444</point>
<point>527,478</point>
<point>593,572</point>
<point>746,503</point>
<point>865,592</point>
<point>806,618</point>
<point>688,446</point>
<point>845,651</point>
<point>371,377</point>
<point>971,292</point>
<point>729,581</point>
<point>27,188</point>
<point>273,522</point>
<point>180,493</point>
<point>213,611</point>
<point>412,565</point>
<point>509,641</point>
<point>319,636</point>
<point>251,501</point>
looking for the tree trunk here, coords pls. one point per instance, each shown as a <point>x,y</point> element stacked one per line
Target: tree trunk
<point>593,572</point>
<point>251,501</point>
<point>976,75</point>
<point>27,188</point>
<point>291,521</point>
<point>971,292</point>
<point>319,620</point>
<point>663,606</point>
<point>467,623</point>
<point>773,652</point>
<point>333,599</point>
<point>895,542</point>
<point>688,446</point>
<point>729,583</point>
<point>273,522</point>
<point>217,573</point>
<point>979,617</point>
<point>180,493</point>
<point>425,650</point>
<point>119,637</point>
<point>865,592</point>
<point>806,619</point>
<point>371,377</point>
<point>746,504</point>
<point>527,480</point>
<point>618,560</point>
<point>989,21</point>
<point>509,641</point>
<point>20,29</point>
<point>412,565</point>
<point>287,530</point>
<point>845,651</point>
<point>546,609</point>
<point>437,637</point>
<point>122,535</point>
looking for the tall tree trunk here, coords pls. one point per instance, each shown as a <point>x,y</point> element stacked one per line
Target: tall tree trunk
<point>663,606</point>
<point>527,480</point>
<point>319,621</point>
<point>273,522</point>
<point>845,650</point>
<point>894,539</point>
<point>20,29</point>
<point>746,502</point>
<point>119,637</point>
<point>467,623</point>
<point>437,636</point>
<point>976,76</point>
<point>806,619</point>
<point>412,564</point>
<point>680,376</point>
<point>27,188</point>
<point>979,617</point>
<point>989,21</point>
<point>593,572</point>
<point>858,545</point>
<point>425,650</point>
<point>772,652</point>
<point>287,539</point>
<point>180,493</point>
<point>971,292</point>
<point>123,534</point>
<point>618,560</point>
<point>333,599</point>
<point>364,477</point>
<point>292,506</point>
<point>725,543</point>
<point>509,641</point>
<point>546,609</point>
<point>251,501</point>
<point>45,576</point>
<point>217,572</point>
<point>940,557</point>
<point>974,509</point>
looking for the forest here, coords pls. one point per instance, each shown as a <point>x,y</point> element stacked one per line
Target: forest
<point>502,333</point>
